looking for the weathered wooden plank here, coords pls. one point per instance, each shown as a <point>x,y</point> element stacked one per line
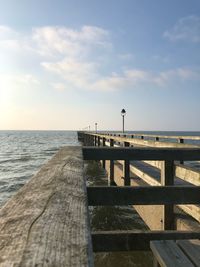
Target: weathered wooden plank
<point>139,172</point>
<point>168,254</point>
<point>192,210</point>
<point>46,222</point>
<point>107,241</point>
<point>147,143</point>
<point>103,144</point>
<point>147,195</point>
<point>126,168</point>
<point>111,165</point>
<point>167,178</point>
<point>192,249</point>
<point>184,137</point>
<point>183,172</point>
<point>129,153</point>
<point>188,174</point>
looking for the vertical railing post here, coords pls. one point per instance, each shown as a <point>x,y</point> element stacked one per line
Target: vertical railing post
<point>103,161</point>
<point>167,178</point>
<point>99,140</point>
<point>112,181</point>
<point>95,140</point>
<point>126,169</point>
<point>90,140</point>
<point>85,140</point>
<point>181,141</point>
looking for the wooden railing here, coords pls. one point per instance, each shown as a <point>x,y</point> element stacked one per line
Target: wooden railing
<point>169,168</point>
<point>157,137</point>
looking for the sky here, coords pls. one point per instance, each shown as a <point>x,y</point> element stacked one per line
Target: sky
<point>68,64</point>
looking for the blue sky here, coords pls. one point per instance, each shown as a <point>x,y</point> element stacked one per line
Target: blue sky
<point>69,64</point>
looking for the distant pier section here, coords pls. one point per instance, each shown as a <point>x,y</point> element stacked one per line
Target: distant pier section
<point>47,222</point>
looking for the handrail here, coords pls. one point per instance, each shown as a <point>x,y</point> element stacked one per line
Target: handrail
<point>134,135</point>
<point>166,153</point>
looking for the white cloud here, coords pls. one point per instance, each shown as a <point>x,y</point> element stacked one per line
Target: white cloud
<point>186,29</point>
<point>70,55</point>
<point>176,75</point>
<point>55,41</point>
<point>77,73</point>
<point>52,41</point>
<point>86,76</point>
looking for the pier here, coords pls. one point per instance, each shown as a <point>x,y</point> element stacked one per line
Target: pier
<point>47,222</point>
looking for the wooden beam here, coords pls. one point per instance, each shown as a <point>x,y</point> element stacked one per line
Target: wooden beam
<point>129,153</point>
<point>143,195</point>
<point>168,254</point>
<point>126,168</point>
<point>46,223</point>
<point>192,137</point>
<point>112,181</point>
<point>148,143</point>
<point>167,178</point>
<point>103,144</point>
<point>107,241</point>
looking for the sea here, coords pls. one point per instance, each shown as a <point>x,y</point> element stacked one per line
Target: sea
<point>22,153</point>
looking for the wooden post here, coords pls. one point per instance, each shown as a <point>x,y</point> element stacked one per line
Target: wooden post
<point>90,140</point>
<point>95,140</point>
<point>126,169</point>
<point>99,140</point>
<point>103,161</point>
<point>181,141</point>
<point>167,178</point>
<point>112,181</point>
<point>85,139</point>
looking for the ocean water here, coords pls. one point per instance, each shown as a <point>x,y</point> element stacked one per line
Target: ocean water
<point>23,152</point>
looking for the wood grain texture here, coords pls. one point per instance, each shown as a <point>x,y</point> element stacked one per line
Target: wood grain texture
<point>192,249</point>
<point>168,254</point>
<point>143,142</point>
<point>142,195</point>
<point>138,135</point>
<point>129,153</point>
<point>130,240</point>
<point>46,222</point>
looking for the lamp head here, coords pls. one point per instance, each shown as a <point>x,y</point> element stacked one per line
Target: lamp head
<point>123,112</point>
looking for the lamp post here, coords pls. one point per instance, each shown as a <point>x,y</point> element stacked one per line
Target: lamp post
<point>95,127</point>
<point>123,113</point>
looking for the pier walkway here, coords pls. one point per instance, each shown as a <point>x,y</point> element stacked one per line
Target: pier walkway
<point>47,222</point>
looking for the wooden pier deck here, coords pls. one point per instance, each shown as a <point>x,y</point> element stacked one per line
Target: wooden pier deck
<point>47,222</point>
